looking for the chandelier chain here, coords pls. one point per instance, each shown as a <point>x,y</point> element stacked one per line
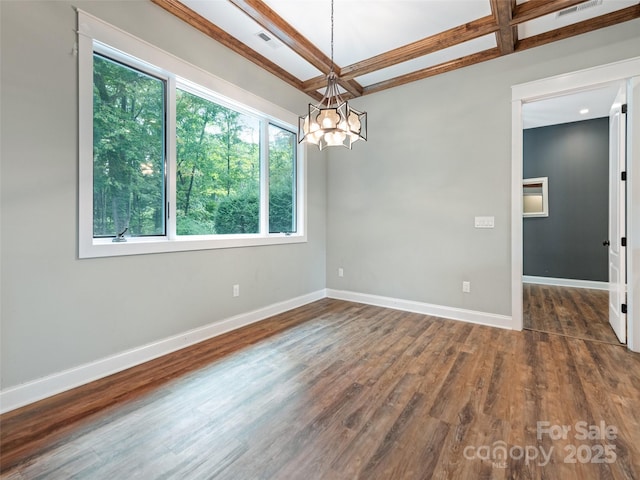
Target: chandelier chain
<point>331,36</point>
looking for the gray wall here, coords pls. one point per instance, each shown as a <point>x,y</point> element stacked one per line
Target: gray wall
<point>568,243</point>
<point>59,312</point>
<point>401,207</point>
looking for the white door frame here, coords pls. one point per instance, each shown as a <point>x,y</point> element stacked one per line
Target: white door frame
<point>562,85</point>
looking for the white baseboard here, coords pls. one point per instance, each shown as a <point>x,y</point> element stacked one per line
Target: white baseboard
<point>26,393</point>
<point>20,395</point>
<point>565,282</point>
<point>471,316</point>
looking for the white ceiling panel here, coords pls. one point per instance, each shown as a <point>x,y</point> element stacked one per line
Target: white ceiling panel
<point>233,21</point>
<point>569,16</point>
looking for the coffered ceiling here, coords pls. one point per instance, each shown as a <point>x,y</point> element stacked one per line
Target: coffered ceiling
<point>380,44</point>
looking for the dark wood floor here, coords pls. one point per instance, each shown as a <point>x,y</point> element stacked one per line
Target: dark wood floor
<point>337,390</point>
<point>575,312</point>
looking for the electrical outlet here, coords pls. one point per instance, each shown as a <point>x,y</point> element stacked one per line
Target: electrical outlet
<point>466,287</point>
<point>236,290</point>
<point>340,272</point>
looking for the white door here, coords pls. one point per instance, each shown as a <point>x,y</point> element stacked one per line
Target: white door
<point>617,218</point>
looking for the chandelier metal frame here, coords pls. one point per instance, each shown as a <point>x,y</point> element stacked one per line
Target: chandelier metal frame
<point>332,122</point>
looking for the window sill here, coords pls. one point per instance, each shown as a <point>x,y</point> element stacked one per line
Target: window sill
<point>141,246</point>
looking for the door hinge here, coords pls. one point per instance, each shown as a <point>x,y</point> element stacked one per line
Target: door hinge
<point>624,308</point>
<point>624,108</point>
<point>623,241</point>
<point>623,176</point>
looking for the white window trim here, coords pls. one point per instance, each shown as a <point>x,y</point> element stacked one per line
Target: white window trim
<point>92,31</point>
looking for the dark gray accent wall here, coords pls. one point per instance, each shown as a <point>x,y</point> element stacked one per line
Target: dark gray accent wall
<point>568,243</point>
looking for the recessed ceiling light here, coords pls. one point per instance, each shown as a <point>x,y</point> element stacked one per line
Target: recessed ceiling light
<point>584,111</point>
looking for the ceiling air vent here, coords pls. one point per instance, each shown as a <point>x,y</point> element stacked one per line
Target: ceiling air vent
<point>578,8</point>
<point>268,39</point>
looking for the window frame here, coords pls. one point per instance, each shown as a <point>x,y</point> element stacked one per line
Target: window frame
<point>95,35</point>
<point>141,67</point>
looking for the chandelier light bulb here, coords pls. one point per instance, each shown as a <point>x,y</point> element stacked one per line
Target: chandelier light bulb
<point>329,118</point>
<point>335,138</point>
<point>313,138</point>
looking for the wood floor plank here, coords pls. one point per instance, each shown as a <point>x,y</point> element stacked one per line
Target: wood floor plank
<point>574,312</point>
<point>345,391</point>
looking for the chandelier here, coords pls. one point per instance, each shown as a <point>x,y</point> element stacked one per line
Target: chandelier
<point>332,122</point>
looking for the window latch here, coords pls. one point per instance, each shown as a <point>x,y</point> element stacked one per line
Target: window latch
<point>120,236</point>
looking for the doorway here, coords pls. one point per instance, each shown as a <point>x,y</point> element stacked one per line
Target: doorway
<point>565,254</point>
<point>627,71</point>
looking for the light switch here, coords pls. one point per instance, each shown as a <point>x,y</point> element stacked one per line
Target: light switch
<point>485,222</point>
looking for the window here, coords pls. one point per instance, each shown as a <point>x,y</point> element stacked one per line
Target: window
<point>282,180</point>
<point>218,168</point>
<point>173,158</point>
<point>128,151</point>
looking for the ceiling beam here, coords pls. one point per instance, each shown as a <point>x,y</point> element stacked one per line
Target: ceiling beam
<point>507,34</point>
<point>454,36</point>
<point>205,26</point>
<point>596,23</point>
<point>262,14</point>
<point>434,70</point>
<point>314,84</point>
